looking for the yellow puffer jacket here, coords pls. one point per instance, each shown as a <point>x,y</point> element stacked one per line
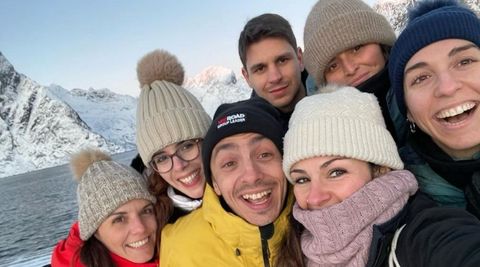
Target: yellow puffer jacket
<point>210,236</point>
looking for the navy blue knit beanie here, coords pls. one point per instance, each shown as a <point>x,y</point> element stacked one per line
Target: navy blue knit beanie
<point>428,22</point>
<point>249,116</point>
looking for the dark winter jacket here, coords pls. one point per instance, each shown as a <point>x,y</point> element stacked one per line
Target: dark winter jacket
<point>433,236</point>
<point>447,181</point>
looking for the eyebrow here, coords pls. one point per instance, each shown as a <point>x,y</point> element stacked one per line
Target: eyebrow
<point>233,145</point>
<point>415,66</point>
<point>457,50</point>
<point>286,54</point>
<point>324,165</point>
<point>452,52</point>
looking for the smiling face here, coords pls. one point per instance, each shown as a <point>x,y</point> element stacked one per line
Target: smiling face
<point>130,231</point>
<point>325,181</point>
<point>354,66</point>
<point>185,176</point>
<point>273,70</point>
<point>442,94</point>
<point>247,173</point>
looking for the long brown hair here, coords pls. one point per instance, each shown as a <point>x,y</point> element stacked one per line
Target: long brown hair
<point>94,254</point>
<point>157,186</point>
<point>290,253</point>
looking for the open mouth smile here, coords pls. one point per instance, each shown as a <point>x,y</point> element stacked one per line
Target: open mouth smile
<point>139,243</point>
<point>191,179</point>
<point>257,198</point>
<point>456,114</point>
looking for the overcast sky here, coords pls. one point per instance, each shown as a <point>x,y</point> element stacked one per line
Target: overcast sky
<point>82,44</point>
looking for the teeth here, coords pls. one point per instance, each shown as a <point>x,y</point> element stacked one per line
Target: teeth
<point>138,243</point>
<point>256,195</point>
<point>189,179</point>
<point>455,111</point>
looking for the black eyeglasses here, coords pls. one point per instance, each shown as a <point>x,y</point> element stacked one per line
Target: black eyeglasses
<point>187,151</point>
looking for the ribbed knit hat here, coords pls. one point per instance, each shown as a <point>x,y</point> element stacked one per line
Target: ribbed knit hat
<point>167,113</point>
<point>429,22</point>
<point>248,116</point>
<point>334,26</point>
<point>103,186</point>
<point>340,122</point>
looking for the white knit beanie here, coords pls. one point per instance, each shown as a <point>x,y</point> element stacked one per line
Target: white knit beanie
<point>166,113</point>
<point>340,122</point>
<point>103,186</point>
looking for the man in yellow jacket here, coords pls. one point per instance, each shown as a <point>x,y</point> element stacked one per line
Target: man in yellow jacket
<point>245,209</point>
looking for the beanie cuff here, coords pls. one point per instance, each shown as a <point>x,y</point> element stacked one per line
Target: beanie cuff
<point>169,127</point>
<point>331,136</point>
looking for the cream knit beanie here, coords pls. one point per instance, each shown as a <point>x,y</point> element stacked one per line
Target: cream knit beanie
<point>103,186</point>
<point>167,113</point>
<point>340,122</point>
<point>334,26</point>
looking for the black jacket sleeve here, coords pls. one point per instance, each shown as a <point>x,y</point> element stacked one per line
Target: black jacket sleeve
<point>440,236</point>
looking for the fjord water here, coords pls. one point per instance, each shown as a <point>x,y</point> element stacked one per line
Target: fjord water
<point>36,211</point>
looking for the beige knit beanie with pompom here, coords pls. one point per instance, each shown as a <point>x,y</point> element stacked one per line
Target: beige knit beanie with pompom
<point>167,113</point>
<point>103,186</point>
<point>340,122</point>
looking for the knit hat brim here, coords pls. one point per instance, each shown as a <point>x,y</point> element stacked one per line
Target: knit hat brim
<point>334,137</point>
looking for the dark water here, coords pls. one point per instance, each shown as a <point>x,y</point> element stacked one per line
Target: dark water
<point>36,211</point>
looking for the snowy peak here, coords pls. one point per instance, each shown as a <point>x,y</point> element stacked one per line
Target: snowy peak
<point>217,85</point>
<point>213,75</point>
<point>9,80</point>
<point>5,66</point>
<point>37,129</point>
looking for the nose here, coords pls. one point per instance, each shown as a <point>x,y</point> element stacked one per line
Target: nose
<point>318,197</point>
<point>178,163</point>
<point>448,84</point>
<point>252,172</point>
<point>274,74</point>
<point>137,225</point>
<point>349,66</point>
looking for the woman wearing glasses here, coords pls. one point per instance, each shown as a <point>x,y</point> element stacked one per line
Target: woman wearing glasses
<point>171,124</point>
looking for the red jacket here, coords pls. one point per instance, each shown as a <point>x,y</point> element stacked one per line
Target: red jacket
<point>65,250</point>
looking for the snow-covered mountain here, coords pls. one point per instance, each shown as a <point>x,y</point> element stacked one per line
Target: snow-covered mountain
<point>37,129</point>
<point>109,114</point>
<point>216,85</point>
<point>41,126</point>
<point>396,10</point>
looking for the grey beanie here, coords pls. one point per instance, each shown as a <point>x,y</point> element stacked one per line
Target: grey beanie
<point>334,26</point>
<point>103,186</point>
<point>166,113</point>
<point>340,122</point>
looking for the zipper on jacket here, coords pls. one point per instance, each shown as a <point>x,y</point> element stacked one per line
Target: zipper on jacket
<point>266,232</point>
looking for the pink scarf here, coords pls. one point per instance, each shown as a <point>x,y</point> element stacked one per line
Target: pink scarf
<point>341,235</point>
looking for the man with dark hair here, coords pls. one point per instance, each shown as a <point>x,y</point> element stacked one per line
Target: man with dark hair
<point>272,62</point>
